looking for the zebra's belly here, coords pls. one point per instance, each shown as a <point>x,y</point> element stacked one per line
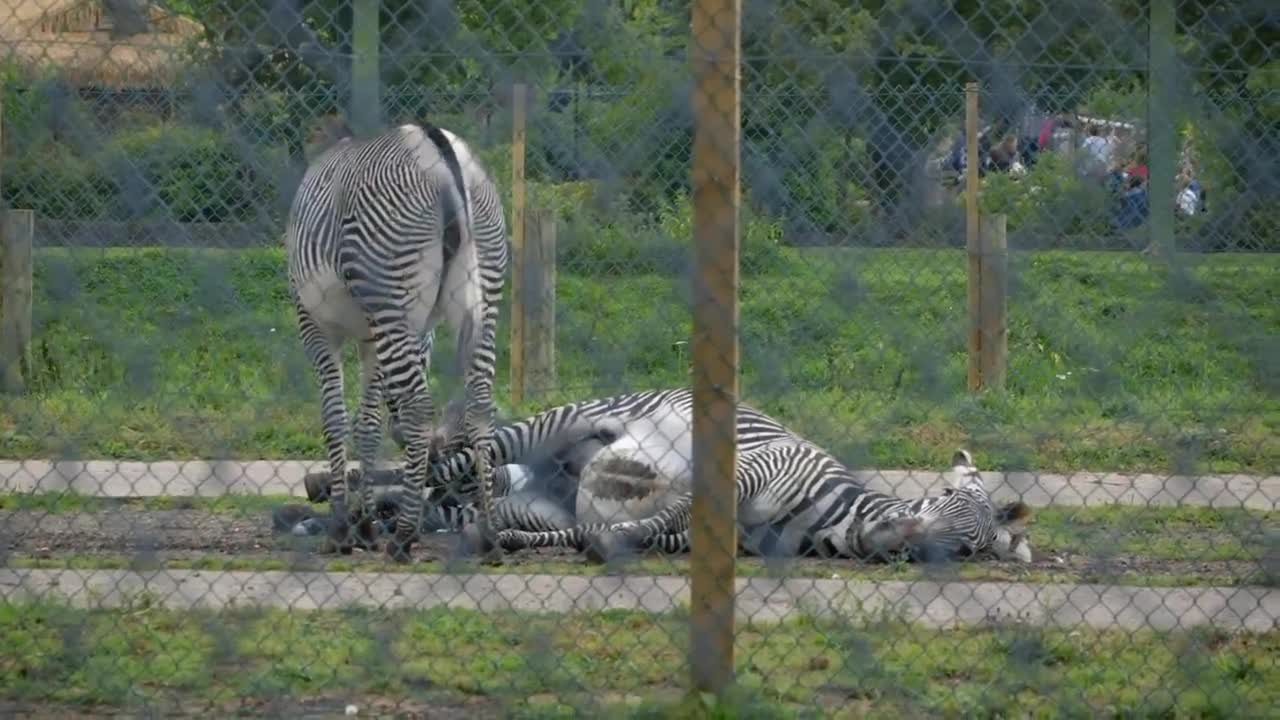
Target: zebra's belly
<point>759,511</point>
<point>647,468</point>
<point>769,526</point>
<point>335,309</point>
<point>332,306</point>
<point>622,487</point>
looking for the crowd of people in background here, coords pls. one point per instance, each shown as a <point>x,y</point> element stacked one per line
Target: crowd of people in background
<point>1110,154</point>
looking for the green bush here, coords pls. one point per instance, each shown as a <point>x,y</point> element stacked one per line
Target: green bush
<point>1051,198</point>
<point>820,180</point>
<point>194,174</point>
<point>168,171</point>
<point>55,182</point>
<point>605,243</point>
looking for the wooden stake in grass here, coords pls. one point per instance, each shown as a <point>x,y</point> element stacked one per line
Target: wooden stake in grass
<point>994,301</point>
<point>518,92</point>
<point>971,229</point>
<point>17,231</point>
<point>539,302</point>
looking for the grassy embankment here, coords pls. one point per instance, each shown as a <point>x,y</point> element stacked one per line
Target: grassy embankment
<point>1114,364</point>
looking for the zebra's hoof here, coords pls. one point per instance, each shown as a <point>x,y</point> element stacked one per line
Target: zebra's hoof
<point>607,547</point>
<point>478,543</point>
<point>399,549</point>
<point>366,534</point>
<point>317,485</point>
<point>335,544</point>
<point>347,531</point>
<point>288,518</point>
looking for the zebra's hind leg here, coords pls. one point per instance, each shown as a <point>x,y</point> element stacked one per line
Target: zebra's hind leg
<point>471,306</point>
<point>424,352</point>
<point>618,540</point>
<point>575,538</point>
<point>368,437</point>
<point>617,544</point>
<point>405,382</point>
<point>323,353</point>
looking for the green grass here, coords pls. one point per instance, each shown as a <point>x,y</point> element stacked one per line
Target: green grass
<point>547,665</point>
<point>1182,533</point>
<point>1115,364</point>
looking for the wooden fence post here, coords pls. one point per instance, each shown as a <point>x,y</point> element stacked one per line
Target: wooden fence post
<point>539,301</point>
<point>716,174</point>
<point>972,239</point>
<point>17,230</point>
<point>517,353</point>
<point>995,327</point>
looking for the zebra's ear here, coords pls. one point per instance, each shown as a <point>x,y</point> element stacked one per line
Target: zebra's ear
<point>1015,516</point>
<point>963,459</point>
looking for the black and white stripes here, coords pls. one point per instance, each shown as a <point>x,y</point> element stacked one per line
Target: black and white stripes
<point>386,237</point>
<point>795,500</point>
<point>630,454</point>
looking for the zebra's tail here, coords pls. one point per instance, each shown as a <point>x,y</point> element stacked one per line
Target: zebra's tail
<point>459,207</point>
<point>464,237</point>
<point>1015,516</point>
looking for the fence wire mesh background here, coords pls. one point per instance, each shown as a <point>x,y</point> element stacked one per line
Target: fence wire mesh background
<point>168,413</point>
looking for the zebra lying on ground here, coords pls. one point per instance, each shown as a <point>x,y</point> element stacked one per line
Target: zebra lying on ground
<point>624,462</point>
<point>381,244</point>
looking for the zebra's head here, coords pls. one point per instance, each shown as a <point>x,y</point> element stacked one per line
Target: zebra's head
<point>964,473</point>
<point>1011,519</point>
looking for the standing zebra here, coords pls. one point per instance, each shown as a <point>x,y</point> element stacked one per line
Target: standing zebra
<point>382,241</point>
<point>625,462</point>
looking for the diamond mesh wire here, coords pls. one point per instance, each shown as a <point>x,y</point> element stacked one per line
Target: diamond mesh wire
<point>161,448</point>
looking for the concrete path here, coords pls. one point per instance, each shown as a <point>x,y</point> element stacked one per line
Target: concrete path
<point>284,477</point>
<point>935,604</point>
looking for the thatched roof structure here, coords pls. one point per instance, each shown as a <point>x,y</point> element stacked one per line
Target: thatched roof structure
<point>76,39</point>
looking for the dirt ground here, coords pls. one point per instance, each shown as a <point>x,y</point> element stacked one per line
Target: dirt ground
<point>188,534</point>
<point>195,535</point>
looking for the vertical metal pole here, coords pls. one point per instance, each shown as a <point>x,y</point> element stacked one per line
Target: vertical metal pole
<point>717,40</point>
<point>1162,145</point>
<point>366,91</point>
<point>518,93</point>
<point>971,233</point>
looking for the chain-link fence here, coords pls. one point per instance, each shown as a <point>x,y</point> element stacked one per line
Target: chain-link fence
<point>1042,232</point>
